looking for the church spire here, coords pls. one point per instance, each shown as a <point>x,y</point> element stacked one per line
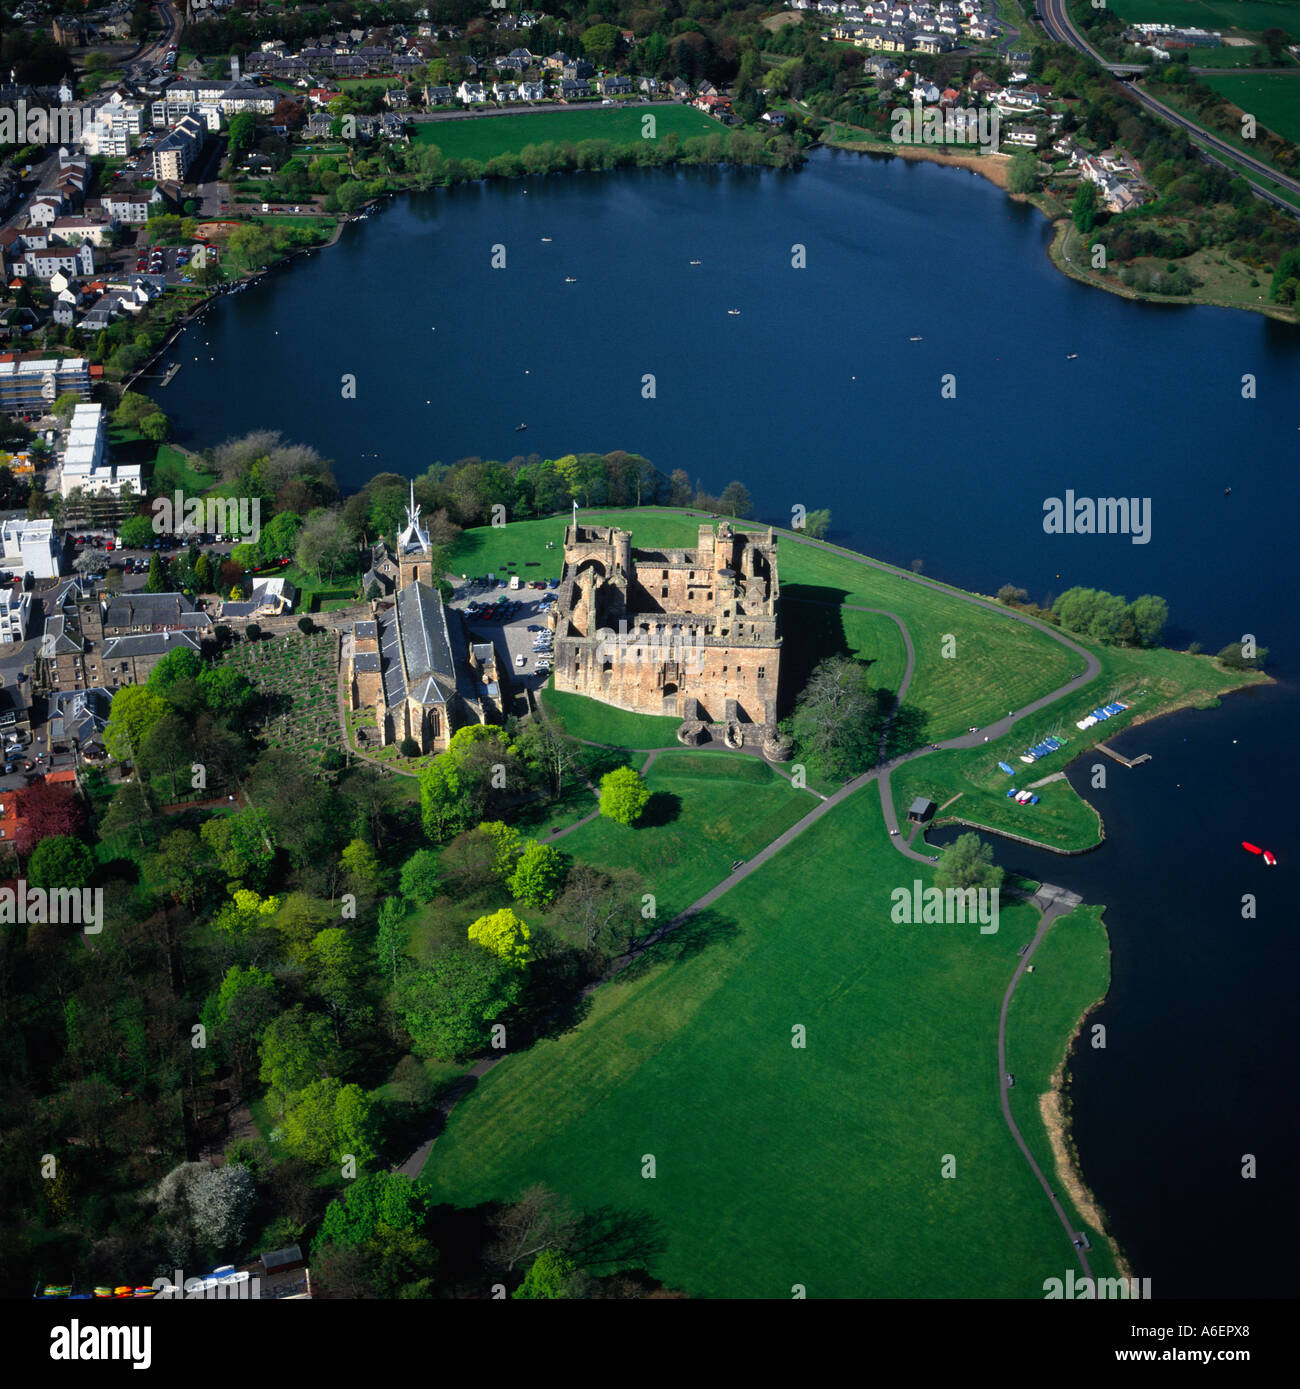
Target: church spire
<point>414,537</point>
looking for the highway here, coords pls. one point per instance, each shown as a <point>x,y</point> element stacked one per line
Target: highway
<point>1057,22</point>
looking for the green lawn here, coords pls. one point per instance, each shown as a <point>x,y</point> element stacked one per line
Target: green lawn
<point>598,723</point>
<point>778,1166</point>
<point>1272,98</point>
<point>1071,964</point>
<point>1246,16</point>
<point>706,811</point>
<point>485,136</point>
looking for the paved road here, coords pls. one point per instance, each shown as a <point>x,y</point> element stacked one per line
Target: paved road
<point>1060,26</point>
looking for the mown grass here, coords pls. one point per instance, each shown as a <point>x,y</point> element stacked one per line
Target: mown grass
<point>777,1165</point>
<point>484,137</point>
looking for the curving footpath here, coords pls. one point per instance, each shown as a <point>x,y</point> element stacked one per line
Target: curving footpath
<point>1051,901</point>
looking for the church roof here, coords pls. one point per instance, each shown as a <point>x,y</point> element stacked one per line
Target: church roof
<point>416,651</point>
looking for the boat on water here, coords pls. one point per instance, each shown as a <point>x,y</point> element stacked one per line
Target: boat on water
<point>1269,859</point>
<point>735,313</point>
<point>1070,356</point>
<point>546,238</point>
<point>697,262</point>
<point>1251,848</point>
<point>1227,491</point>
<point>570,280</point>
<point>518,427</point>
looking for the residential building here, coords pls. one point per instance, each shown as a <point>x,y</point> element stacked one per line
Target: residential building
<point>30,547</point>
<point>15,613</point>
<point>36,382</point>
<point>177,150</point>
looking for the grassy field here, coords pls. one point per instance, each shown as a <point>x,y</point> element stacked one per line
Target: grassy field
<point>1245,16</point>
<point>485,136</point>
<point>1272,98</point>
<point>1072,963</point>
<point>778,1165</point>
<point>706,810</point>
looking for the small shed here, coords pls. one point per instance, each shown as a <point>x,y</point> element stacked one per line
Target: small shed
<point>282,1260</point>
<point>921,810</point>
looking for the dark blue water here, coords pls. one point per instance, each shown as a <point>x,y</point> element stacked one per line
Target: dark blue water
<point>816,396</point>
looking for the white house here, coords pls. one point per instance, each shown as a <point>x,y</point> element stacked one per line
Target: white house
<point>471,92</point>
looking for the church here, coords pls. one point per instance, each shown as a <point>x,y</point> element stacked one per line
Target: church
<point>412,661</point>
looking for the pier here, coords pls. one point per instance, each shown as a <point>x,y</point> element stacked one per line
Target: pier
<point>1121,759</point>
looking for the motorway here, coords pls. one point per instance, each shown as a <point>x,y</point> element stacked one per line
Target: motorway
<point>1060,26</point>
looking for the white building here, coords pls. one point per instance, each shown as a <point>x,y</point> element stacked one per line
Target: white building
<point>30,547</point>
<point>85,458</point>
<point>15,611</point>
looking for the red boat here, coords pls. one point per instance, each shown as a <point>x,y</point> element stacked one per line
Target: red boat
<point>1251,848</point>
<point>1269,859</point>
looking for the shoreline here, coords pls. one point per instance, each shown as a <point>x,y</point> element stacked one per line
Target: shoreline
<point>996,173</point>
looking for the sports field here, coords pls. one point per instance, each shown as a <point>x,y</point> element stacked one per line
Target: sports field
<point>1272,98</point>
<point>777,1165</point>
<point>481,137</point>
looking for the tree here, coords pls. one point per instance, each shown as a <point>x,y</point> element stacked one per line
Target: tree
<point>540,1219</point>
<point>60,861</point>
<point>968,862</point>
<point>157,580</point>
<point>623,795</point>
<point>817,523</point>
<point>323,544</point>
<point>155,427</point>
<point>210,1204</point>
<point>204,579</point>
<point>601,909</point>
<point>448,1004</point>
<point>1084,207</point>
<point>460,783</point>
<point>244,844</point>
<point>1022,175</point>
<point>392,936</point>
<point>538,875</point>
<point>836,719</point>
<point>134,711</point>
<point>1149,613</point>
<point>360,865</point>
<point>420,877</point>
<point>137,533</point>
<point>600,44</point>
<point>243,131</point>
<point>506,846</point>
<point>245,1005</point>
<point>183,868</point>
<point>330,1121</point>
<point>373,1200</point>
<point>735,500</point>
<point>295,1049</point>
<point>503,935</point>
<point>1012,596</point>
<point>1275,40</point>
<point>550,1276</point>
